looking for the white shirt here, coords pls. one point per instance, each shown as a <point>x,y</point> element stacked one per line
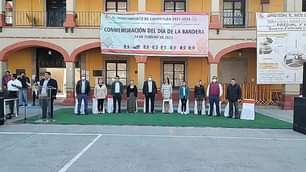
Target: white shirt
<point>184,91</point>
<point>117,87</point>
<point>44,89</point>
<point>83,84</point>
<point>150,86</point>
<point>15,82</point>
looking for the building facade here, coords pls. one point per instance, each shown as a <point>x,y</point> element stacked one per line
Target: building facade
<point>62,36</point>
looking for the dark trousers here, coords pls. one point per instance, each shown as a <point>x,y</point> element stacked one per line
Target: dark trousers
<point>235,104</point>
<point>100,105</point>
<point>214,100</point>
<point>149,97</point>
<point>85,98</point>
<point>116,98</point>
<point>184,102</point>
<point>12,95</point>
<point>34,96</point>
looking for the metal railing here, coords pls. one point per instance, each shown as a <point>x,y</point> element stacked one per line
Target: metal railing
<point>236,19</point>
<point>88,18</point>
<point>36,19</point>
<point>263,94</point>
<point>93,19</point>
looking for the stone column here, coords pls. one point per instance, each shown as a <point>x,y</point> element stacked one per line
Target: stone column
<point>70,15</point>
<point>70,83</point>
<point>142,5</point>
<point>213,71</point>
<point>141,60</point>
<point>215,19</point>
<point>289,92</point>
<point>293,5</point>
<point>2,15</point>
<point>3,69</point>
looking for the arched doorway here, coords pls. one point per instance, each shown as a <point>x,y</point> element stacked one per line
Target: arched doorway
<point>34,58</point>
<point>239,64</point>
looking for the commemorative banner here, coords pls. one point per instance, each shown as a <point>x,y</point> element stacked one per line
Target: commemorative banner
<point>281,47</point>
<point>153,34</point>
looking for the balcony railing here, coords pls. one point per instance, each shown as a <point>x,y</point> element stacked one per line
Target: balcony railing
<point>92,19</point>
<point>236,19</point>
<point>88,18</point>
<point>35,18</point>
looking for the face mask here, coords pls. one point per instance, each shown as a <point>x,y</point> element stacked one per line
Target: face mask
<point>150,79</point>
<point>83,78</point>
<point>214,80</point>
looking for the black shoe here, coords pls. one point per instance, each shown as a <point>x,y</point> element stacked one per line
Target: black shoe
<point>9,116</point>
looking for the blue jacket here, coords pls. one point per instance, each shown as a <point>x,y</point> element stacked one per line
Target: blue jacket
<point>181,92</point>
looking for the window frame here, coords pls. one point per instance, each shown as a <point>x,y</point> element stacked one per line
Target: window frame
<point>233,16</point>
<point>116,5</point>
<point>174,5</point>
<point>116,70</point>
<point>173,71</point>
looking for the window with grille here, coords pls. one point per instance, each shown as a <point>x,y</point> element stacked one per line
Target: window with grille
<point>116,6</point>
<point>116,68</point>
<point>175,71</point>
<point>234,13</point>
<point>175,5</point>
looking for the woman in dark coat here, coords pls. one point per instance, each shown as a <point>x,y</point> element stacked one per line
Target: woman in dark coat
<point>131,92</point>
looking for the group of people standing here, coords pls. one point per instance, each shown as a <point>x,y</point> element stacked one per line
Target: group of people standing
<point>117,91</point>
<point>213,95</point>
<point>16,88</point>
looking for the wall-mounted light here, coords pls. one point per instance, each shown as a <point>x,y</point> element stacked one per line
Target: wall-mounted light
<point>50,52</point>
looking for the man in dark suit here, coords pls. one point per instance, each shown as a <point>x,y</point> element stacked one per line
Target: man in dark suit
<point>82,91</point>
<point>117,91</point>
<point>233,96</point>
<point>48,89</point>
<point>149,90</point>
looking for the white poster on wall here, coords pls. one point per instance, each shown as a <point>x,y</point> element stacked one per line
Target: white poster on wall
<point>281,47</point>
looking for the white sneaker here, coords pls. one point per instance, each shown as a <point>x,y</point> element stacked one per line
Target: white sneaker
<point>182,113</point>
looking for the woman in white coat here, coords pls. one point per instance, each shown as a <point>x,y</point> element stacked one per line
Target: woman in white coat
<point>100,93</point>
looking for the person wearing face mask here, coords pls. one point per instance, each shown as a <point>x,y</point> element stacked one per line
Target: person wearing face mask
<point>82,91</point>
<point>131,94</point>
<point>100,93</point>
<point>214,92</point>
<point>117,91</point>
<point>149,90</point>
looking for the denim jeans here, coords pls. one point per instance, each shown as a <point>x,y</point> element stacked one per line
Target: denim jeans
<point>85,98</point>
<point>23,97</point>
<point>214,100</point>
